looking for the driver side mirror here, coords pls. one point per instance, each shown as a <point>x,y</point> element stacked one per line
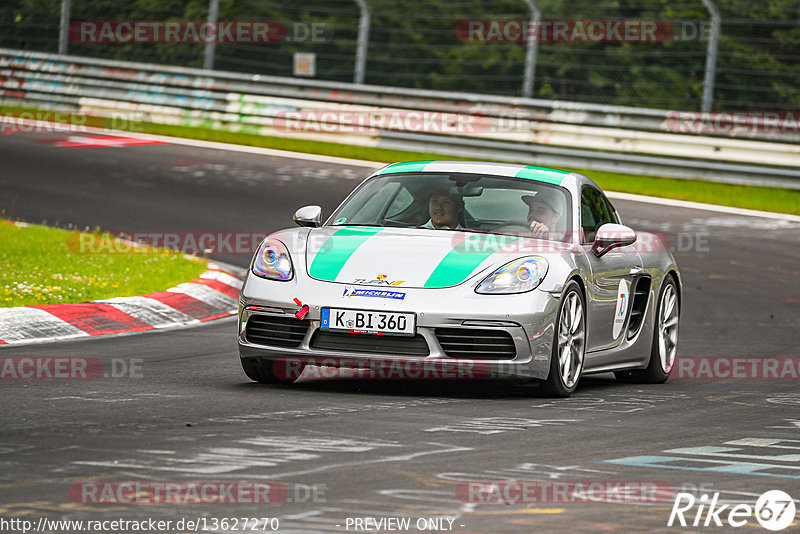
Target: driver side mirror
<point>308,216</point>
<point>611,236</point>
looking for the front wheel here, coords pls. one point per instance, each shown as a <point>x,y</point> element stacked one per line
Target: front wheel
<point>569,344</point>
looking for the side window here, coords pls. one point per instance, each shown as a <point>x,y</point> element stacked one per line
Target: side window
<point>595,212</point>
<point>612,213</point>
<point>588,218</point>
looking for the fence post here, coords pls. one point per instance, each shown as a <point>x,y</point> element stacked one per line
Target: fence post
<point>711,55</point>
<point>363,41</point>
<point>213,16</point>
<point>63,31</point>
<point>531,49</point>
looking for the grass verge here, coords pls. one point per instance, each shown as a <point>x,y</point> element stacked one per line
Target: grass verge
<point>740,196</point>
<point>41,265</point>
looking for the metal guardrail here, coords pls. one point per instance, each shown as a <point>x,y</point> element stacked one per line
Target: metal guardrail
<point>596,160</point>
<point>577,135</point>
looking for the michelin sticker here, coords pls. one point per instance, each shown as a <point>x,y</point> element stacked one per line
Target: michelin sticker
<point>350,291</point>
<point>622,307</point>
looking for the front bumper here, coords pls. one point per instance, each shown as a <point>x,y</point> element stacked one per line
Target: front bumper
<point>529,318</point>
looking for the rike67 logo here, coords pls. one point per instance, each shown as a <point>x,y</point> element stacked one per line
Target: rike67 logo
<point>774,510</point>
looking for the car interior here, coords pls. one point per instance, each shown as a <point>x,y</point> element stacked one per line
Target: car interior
<point>491,203</point>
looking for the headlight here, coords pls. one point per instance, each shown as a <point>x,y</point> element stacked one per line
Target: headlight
<point>519,276</point>
<point>272,261</point>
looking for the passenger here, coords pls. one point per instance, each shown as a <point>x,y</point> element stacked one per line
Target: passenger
<point>544,212</point>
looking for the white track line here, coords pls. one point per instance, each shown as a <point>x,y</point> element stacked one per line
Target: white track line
<point>257,150</point>
<point>78,129</point>
<point>375,165</point>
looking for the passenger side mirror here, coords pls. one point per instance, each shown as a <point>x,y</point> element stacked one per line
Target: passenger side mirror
<point>611,236</point>
<point>308,216</point>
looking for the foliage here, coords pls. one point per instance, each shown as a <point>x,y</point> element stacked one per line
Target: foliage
<point>415,44</point>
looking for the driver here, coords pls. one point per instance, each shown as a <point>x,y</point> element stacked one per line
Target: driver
<point>444,208</point>
<point>544,211</point>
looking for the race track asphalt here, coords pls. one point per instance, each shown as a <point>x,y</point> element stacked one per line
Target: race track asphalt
<point>377,448</point>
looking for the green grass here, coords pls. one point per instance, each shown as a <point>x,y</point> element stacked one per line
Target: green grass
<point>750,197</point>
<point>740,196</point>
<point>40,265</point>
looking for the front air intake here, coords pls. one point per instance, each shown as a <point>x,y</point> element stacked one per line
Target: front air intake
<point>370,343</point>
<point>474,343</point>
<point>275,330</point>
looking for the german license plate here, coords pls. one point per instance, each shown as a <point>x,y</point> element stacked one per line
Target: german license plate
<point>369,322</point>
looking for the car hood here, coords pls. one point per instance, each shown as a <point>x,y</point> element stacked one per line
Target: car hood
<point>411,258</point>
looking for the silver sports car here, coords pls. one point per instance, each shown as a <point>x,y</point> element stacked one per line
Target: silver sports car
<point>450,270</point>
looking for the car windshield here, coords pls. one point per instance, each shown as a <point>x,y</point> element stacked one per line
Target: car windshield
<point>456,201</point>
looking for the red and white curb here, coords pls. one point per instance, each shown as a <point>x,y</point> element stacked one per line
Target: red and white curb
<point>214,295</point>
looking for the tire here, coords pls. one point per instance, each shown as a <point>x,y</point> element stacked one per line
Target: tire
<point>569,344</point>
<point>261,371</point>
<point>664,345</point>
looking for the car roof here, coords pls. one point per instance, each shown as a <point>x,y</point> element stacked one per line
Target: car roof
<point>570,180</point>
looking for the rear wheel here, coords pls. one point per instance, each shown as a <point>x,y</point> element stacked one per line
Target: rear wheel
<point>664,348</point>
<point>569,344</point>
<point>265,371</point>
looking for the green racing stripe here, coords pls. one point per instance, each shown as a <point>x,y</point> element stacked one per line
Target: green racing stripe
<point>465,257</point>
<point>409,166</point>
<point>542,174</point>
<point>337,249</point>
